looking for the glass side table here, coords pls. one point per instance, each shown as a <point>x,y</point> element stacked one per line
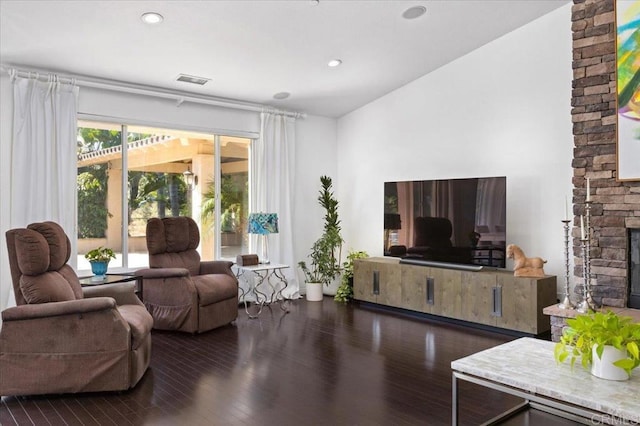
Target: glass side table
<point>96,280</point>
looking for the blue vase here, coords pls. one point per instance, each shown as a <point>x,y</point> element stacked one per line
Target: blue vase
<point>99,268</point>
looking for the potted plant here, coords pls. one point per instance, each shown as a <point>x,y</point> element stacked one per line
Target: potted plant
<point>321,269</point>
<point>345,291</point>
<point>99,259</point>
<point>599,338</point>
<point>326,252</point>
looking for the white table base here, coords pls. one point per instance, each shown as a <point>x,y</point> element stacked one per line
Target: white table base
<point>274,276</point>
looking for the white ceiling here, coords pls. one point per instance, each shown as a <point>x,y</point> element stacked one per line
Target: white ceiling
<point>254,49</point>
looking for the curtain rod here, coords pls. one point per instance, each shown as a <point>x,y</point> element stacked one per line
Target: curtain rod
<point>139,89</point>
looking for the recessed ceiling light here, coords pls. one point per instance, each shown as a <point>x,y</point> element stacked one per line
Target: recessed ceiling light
<point>334,63</point>
<point>151,18</point>
<point>281,95</point>
<point>414,12</point>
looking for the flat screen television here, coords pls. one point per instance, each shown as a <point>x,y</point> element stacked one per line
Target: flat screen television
<point>448,221</point>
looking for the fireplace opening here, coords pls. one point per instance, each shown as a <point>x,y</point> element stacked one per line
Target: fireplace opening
<point>634,268</point>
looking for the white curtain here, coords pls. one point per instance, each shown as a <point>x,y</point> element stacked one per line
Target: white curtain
<point>490,206</point>
<point>43,153</point>
<point>272,164</point>
<point>406,210</point>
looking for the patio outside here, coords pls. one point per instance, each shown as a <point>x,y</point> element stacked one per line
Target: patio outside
<point>169,173</point>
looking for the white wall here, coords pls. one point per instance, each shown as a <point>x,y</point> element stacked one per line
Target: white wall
<point>502,110</point>
<point>165,112</point>
<point>315,150</point>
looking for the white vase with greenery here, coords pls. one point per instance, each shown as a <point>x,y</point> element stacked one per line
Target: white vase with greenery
<point>603,365</point>
<point>608,345</point>
<point>325,257</point>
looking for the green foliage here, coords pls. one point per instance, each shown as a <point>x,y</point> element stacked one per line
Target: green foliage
<point>92,196</point>
<point>345,291</point>
<point>600,329</point>
<point>166,191</point>
<point>330,204</point>
<point>322,267</point>
<point>233,199</point>
<point>92,182</point>
<point>326,252</point>
<point>90,139</point>
<point>100,254</point>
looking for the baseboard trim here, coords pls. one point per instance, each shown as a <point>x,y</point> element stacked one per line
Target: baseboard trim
<point>445,320</point>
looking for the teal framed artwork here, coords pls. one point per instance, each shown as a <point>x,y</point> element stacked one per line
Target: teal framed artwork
<point>628,88</point>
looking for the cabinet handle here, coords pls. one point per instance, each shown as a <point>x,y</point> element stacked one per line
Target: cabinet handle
<point>430,292</point>
<point>497,302</point>
<point>376,282</point>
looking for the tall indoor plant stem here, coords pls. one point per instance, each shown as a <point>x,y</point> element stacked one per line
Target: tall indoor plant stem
<point>326,252</point>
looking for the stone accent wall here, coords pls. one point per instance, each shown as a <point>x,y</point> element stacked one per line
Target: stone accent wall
<point>560,316</point>
<point>557,326</point>
<point>615,205</point>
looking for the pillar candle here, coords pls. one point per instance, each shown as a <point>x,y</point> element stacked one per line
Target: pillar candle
<point>588,189</point>
<point>582,227</point>
<point>566,208</point>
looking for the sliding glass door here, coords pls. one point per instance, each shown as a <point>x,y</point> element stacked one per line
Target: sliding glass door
<point>163,173</point>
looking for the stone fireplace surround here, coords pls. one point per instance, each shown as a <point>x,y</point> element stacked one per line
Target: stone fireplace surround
<point>615,205</point>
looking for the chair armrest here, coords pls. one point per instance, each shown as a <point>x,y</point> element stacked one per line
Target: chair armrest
<point>216,267</point>
<point>71,327</point>
<point>44,310</point>
<point>124,293</point>
<point>152,273</point>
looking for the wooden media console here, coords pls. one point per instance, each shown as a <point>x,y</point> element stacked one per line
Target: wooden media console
<point>492,298</point>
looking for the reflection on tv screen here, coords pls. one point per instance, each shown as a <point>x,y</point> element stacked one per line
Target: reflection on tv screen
<point>451,220</point>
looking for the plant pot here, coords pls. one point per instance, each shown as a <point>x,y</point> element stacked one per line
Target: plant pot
<point>314,292</point>
<point>99,268</point>
<point>604,367</point>
<point>332,288</point>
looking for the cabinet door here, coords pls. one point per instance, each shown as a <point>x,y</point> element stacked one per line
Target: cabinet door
<point>417,288</point>
<point>389,278</point>
<point>522,302</point>
<point>518,307</point>
<point>363,285</point>
<point>447,292</point>
<point>478,297</point>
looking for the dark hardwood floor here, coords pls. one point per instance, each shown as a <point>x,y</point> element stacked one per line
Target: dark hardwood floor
<point>324,363</point>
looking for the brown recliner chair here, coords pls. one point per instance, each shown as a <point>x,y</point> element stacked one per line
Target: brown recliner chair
<point>56,340</point>
<point>182,292</point>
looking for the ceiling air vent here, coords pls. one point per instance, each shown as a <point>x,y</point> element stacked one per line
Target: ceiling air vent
<point>192,79</point>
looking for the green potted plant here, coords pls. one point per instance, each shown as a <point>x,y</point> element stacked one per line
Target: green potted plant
<point>345,291</point>
<point>99,259</point>
<point>320,271</point>
<point>599,338</point>
<point>326,252</point>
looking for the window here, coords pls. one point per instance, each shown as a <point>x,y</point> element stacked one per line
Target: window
<point>168,173</point>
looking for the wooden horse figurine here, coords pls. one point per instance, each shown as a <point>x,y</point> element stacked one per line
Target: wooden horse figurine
<point>525,266</point>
